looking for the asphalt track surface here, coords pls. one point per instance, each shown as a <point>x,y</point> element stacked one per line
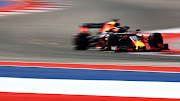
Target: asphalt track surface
<point>46,37</point>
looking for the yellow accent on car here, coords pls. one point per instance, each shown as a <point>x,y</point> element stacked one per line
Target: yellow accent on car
<point>139,44</point>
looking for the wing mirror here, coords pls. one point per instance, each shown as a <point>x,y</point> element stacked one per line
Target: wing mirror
<point>137,30</point>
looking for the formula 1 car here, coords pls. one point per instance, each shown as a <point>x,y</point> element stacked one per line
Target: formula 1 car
<point>113,37</point>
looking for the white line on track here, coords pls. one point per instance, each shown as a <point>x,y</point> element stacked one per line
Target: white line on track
<point>153,53</point>
<point>170,55</point>
<point>170,30</point>
<point>91,87</point>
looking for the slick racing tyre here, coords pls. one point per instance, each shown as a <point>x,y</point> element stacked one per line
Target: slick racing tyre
<point>155,39</point>
<point>112,41</point>
<point>81,41</point>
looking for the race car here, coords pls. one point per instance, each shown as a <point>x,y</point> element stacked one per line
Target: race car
<point>114,37</point>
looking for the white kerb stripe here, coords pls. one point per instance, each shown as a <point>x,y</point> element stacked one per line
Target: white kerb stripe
<point>30,11</point>
<point>45,8</point>
<point>10,13</point>
<point>91,87</point>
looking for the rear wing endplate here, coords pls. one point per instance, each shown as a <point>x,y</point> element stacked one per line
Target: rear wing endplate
<point>93,25</point>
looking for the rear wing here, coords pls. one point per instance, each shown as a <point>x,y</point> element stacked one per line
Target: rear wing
<point>93,25</point>
<point>85,27</point>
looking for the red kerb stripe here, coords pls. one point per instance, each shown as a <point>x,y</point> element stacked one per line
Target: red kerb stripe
<point>92,66</point>
<point>6,96</point>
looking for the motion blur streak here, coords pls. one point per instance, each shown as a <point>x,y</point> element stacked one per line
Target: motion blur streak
<point>2,3</point>
<point>29,6</point>
<point>8,5</point>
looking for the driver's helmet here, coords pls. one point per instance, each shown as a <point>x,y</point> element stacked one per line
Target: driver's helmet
<point>109,25</point>
<point>117,24</point>
<point>114,29</point>
<point>118,29</point>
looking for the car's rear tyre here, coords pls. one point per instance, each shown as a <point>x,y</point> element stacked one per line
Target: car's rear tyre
<point>81,41</point>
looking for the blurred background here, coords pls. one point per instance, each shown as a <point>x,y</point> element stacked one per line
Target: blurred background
<point>45,35</point>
